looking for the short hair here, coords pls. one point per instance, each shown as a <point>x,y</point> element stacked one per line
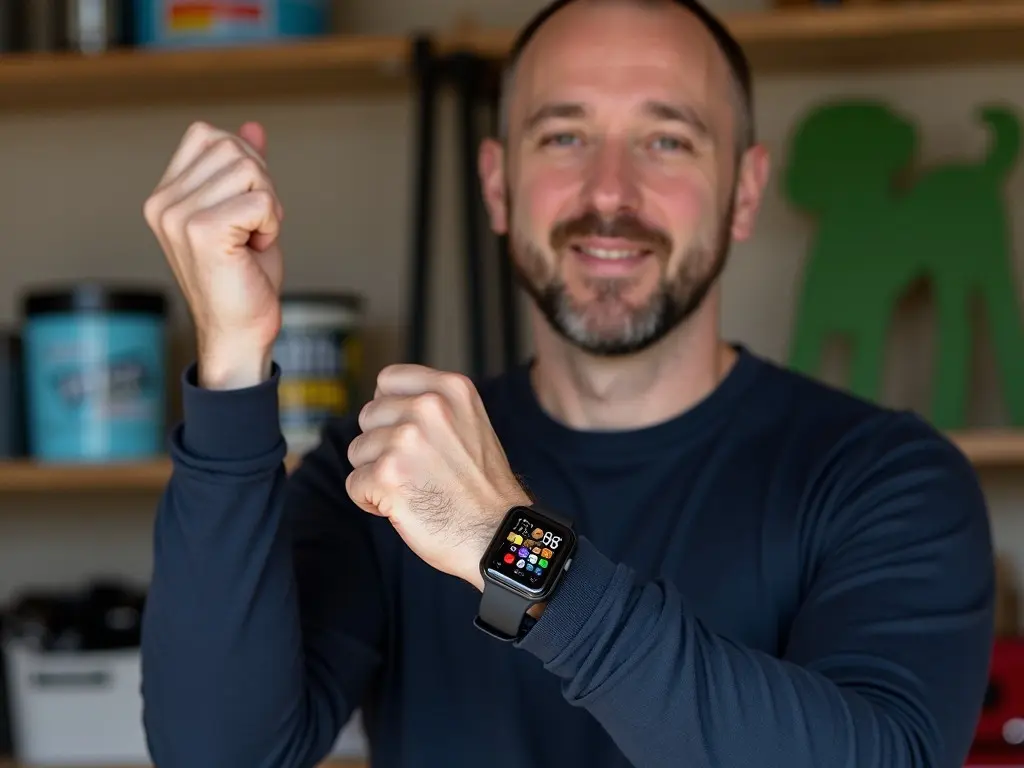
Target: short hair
<point>739,66</point>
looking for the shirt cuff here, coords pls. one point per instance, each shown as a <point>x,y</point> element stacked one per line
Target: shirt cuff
<point>574,606</point>
<point>231,425</point>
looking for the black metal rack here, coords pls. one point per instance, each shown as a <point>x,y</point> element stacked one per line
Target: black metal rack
<point>474,81</point>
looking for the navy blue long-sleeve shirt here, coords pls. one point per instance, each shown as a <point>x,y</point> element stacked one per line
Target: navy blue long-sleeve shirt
<point>781,577</point>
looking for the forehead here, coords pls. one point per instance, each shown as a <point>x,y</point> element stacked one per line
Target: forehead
<point>621,51</point>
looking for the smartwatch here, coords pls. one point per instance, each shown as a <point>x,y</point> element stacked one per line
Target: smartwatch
<point>523,564</point>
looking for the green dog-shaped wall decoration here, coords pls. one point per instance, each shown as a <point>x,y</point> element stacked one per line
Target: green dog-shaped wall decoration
<point>879,231</point>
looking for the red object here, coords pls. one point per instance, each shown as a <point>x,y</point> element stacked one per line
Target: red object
<point>509,558</point>
<point>1000,731</point>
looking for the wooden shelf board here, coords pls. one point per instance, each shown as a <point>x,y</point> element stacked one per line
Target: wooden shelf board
<point>320,66</point>
<point>24,476</point>
<point>912,33</point>
<point>985,448</point>
<point>868,37</point>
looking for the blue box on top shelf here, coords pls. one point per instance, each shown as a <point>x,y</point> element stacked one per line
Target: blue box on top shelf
<point>201,23</point>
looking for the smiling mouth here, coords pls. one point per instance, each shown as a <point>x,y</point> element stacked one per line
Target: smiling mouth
<point>611,254</point>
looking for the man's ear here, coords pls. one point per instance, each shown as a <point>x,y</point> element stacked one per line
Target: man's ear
<point>491,166</point>
<point>750,186</point>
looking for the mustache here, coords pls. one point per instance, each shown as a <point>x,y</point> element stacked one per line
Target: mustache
<point>625,226</point>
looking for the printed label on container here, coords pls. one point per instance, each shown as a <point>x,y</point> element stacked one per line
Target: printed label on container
<point>215,16</point>
<point>96,386</point>
<point>318,369</point>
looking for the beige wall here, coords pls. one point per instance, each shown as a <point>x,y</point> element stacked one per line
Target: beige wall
<point>70,206</point>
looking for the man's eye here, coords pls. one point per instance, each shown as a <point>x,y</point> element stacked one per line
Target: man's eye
<point>559,140</point>
<point>672,144</point>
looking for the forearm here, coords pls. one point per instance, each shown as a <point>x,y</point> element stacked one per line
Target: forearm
<point>666,688</point>
<point>224,676</point>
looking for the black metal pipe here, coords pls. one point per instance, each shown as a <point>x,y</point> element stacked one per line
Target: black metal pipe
<point>425,74</point>
<point>509,308</point>
<point>466,67</point>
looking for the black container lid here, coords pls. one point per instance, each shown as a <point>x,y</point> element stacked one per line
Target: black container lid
<point>94,297</point>
<point>345,299</point>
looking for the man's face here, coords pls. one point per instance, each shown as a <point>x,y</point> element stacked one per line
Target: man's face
<point>618,184</point>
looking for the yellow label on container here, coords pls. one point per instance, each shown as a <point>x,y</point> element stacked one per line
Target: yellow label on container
<point>329,395</point>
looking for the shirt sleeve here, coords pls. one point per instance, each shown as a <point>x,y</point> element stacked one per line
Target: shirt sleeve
<point>258,639</point>
<point>886,662</point>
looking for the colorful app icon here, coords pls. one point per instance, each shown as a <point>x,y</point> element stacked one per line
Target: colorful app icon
<point>520,563</point>
<point>529,543</point>
<point>529,567</point>
<point>518,539</point>
<point>533,558</point>
<point>509,558</point>
<point>511,537</point>
<point>536,550</point>
<point>547,553</point>
<point>513,548</point>
<point>543,563</point>
<point>538,532</point>
<point>523,552</point>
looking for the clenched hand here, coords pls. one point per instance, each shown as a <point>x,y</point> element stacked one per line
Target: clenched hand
<point>429,461</point>
<point>217,218</point>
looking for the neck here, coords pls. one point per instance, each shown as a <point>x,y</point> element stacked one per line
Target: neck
<point>588,392</point>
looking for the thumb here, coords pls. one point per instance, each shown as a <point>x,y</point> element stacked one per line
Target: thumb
<point>256,135</point>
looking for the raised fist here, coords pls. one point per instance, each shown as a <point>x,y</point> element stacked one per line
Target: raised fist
<point>217,217</point>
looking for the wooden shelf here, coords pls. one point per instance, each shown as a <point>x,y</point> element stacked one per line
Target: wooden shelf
<point>146,476</point>
<point>986,449</point>
<point>812,40</point>
<point>866,37</point>
<point>321,66</point>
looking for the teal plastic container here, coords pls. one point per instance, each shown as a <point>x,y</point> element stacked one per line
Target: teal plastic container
<point>95,373</point>
<point>184,24</point>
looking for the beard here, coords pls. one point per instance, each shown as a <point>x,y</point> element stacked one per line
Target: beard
<point>607,324</point>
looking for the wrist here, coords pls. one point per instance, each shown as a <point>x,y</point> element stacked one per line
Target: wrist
<point>233,367</point>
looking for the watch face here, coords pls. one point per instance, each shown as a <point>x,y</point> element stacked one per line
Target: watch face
<point>529,551</point>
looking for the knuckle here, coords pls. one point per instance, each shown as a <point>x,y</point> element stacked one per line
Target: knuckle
<point>264,198</point>
<point>195,227</point>
<point>364,416</point>
<point>247,165</point>
<point>458,384</point>
<point>407,436</point>
<point>352,450</point>
<point>431,405</point>
<point>172,220</point>
<point>224,151</point>
<point>387,471</point>
<point>152,211</point>
<point>198,129</point>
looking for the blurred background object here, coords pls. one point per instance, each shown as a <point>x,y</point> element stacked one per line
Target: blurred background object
<point>374,112</point>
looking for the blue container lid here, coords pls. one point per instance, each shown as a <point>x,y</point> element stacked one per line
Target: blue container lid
<point>90,297</point>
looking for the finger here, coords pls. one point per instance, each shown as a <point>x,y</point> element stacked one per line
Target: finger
<point>197,138</point>
<point>369,446</point>
<point>245,214</point>
<point>407,379</point>
<point>241,176</point>
<point>228,151</point>
<point>386,411</point>
<point>361,488</point>
<point>255,135</point>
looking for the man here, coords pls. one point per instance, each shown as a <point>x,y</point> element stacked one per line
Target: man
<point>767,572</point>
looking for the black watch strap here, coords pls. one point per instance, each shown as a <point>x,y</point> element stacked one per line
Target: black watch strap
<point>501,612</point>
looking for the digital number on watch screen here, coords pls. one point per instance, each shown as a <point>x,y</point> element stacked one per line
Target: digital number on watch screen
<point>530,551</point>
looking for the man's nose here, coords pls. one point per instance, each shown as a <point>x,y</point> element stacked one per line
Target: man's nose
<point>612,184</point>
